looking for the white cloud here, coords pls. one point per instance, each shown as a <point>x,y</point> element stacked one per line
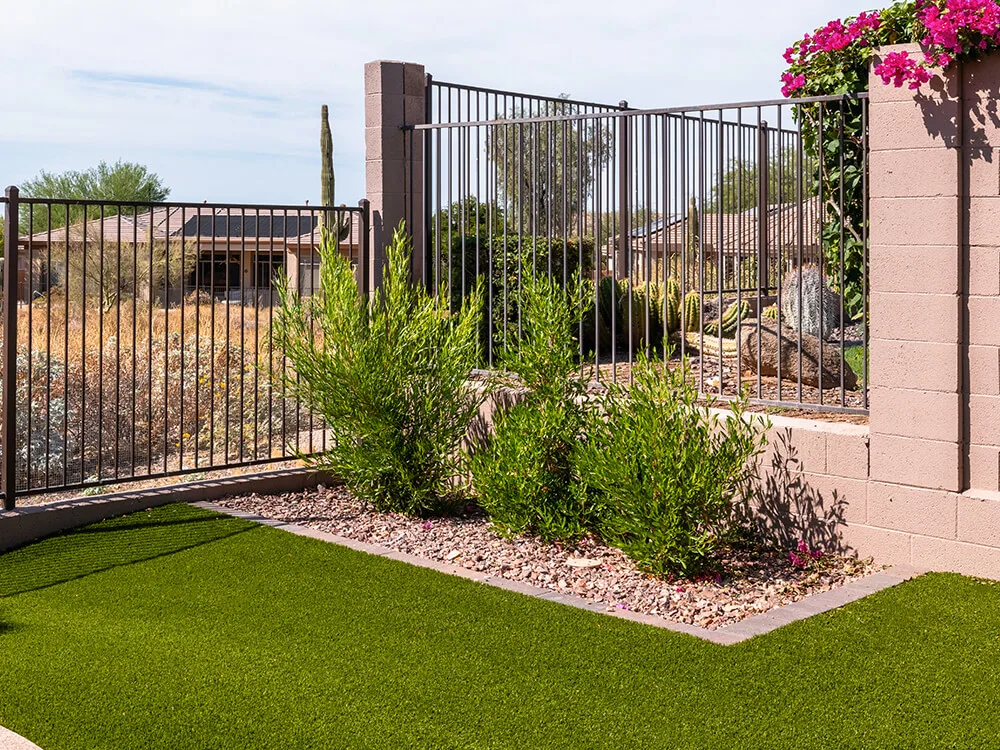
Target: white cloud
<point>261,69</point>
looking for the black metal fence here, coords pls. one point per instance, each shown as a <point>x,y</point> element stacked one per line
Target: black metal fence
<point>137,337</point>
<point>735,234</point>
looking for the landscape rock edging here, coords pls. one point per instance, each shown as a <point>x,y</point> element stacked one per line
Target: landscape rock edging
<point>727,635</point>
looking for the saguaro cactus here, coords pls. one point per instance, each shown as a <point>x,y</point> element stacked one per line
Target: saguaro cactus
<point>328,219</point>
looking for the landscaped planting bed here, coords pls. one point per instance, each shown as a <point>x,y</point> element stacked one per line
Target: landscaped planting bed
<point>746,581</point>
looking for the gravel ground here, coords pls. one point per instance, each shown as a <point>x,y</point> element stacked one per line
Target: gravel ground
<point>749,581</point>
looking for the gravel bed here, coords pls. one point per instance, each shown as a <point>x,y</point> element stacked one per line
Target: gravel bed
<point>748,582</point>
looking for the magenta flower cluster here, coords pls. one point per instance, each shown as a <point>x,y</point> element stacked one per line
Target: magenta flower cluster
<point>955,25</point>
<point>898,68</point>
<point>838,53</point>
<point>834,37</point>
<point>952,28</point>
<point>803,555</point>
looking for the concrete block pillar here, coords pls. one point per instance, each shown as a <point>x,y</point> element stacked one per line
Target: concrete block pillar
<point>981,260</point>
<point>395,96</point>
<point>916,264</point>
<point>935,279</point>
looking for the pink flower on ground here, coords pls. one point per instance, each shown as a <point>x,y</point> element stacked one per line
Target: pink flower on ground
<point>428,525</point>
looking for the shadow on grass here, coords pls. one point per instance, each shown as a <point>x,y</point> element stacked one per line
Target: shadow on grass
<point>114,543</point>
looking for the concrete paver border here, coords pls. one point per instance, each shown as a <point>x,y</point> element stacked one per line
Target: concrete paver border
<point>743,630</point>
<point>12,741</point>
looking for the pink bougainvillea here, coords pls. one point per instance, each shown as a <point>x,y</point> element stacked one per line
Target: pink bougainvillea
<point>834,58</point>
<point>951,28</point>
<point>898,68</point>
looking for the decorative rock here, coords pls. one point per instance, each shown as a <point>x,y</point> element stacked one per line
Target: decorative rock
<point>767,364</point>
<point>582,562</point>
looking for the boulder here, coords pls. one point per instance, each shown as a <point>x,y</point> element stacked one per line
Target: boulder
<point>767,361</point>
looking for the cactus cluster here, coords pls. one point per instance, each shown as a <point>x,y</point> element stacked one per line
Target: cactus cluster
<point>672,306</point>
<point>692,312</point>
<point>820,306</point>
<point>668,314</point>
<point>726,327</point>
<point>771,312</point>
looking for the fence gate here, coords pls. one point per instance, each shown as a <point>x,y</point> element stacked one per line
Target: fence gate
<point>137,337</point>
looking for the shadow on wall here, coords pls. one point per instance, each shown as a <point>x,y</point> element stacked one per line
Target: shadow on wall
<point>980,113</point>
<point>783,508</point>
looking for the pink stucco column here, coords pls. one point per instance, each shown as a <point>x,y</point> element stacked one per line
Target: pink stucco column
<point>394,97</point>
<point>935,316</point>
<point>915,285</point>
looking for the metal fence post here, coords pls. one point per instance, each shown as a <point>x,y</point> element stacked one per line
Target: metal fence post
<point>8,407</point>
<point>364,252</point>
<point>429,277</point>
<point>763,181</point>
<point>624,260</point>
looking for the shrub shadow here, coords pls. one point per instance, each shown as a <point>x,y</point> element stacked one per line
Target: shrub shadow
<point>781,507</point>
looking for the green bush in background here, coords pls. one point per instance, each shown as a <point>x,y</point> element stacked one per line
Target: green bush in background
<point>504,262</point>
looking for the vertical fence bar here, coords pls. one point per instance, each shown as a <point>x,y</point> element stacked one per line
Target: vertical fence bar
<point>364,247</point>
<point>762,204</point>
<point>9,465</point>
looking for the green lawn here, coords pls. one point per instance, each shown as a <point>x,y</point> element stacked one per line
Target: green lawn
<point>178,628</point>
<point>856,359</point>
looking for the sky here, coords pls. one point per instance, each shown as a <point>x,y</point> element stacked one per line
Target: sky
<point>222,98</point>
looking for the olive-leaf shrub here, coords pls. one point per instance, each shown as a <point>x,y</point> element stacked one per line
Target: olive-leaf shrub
<point>526,476</point>
<point>388,376</point>
<point>669,471</point>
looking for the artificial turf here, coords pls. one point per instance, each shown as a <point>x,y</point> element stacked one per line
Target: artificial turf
<point>178,628</point>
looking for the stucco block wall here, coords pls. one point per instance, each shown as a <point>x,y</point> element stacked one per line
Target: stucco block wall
<point>815,484</point>
<point>916,326</point>
<point>931,494</point>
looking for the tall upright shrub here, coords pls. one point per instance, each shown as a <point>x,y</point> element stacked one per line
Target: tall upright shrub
<point>388,376</point>
<point>526,477</point>
<point>668,469</point>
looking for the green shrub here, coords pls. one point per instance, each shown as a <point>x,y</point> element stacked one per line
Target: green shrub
<point>667,469</point>
<point>389,378</point>
<point>526,477</point>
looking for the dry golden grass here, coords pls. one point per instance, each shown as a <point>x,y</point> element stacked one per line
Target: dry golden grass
<point>69,330</point>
